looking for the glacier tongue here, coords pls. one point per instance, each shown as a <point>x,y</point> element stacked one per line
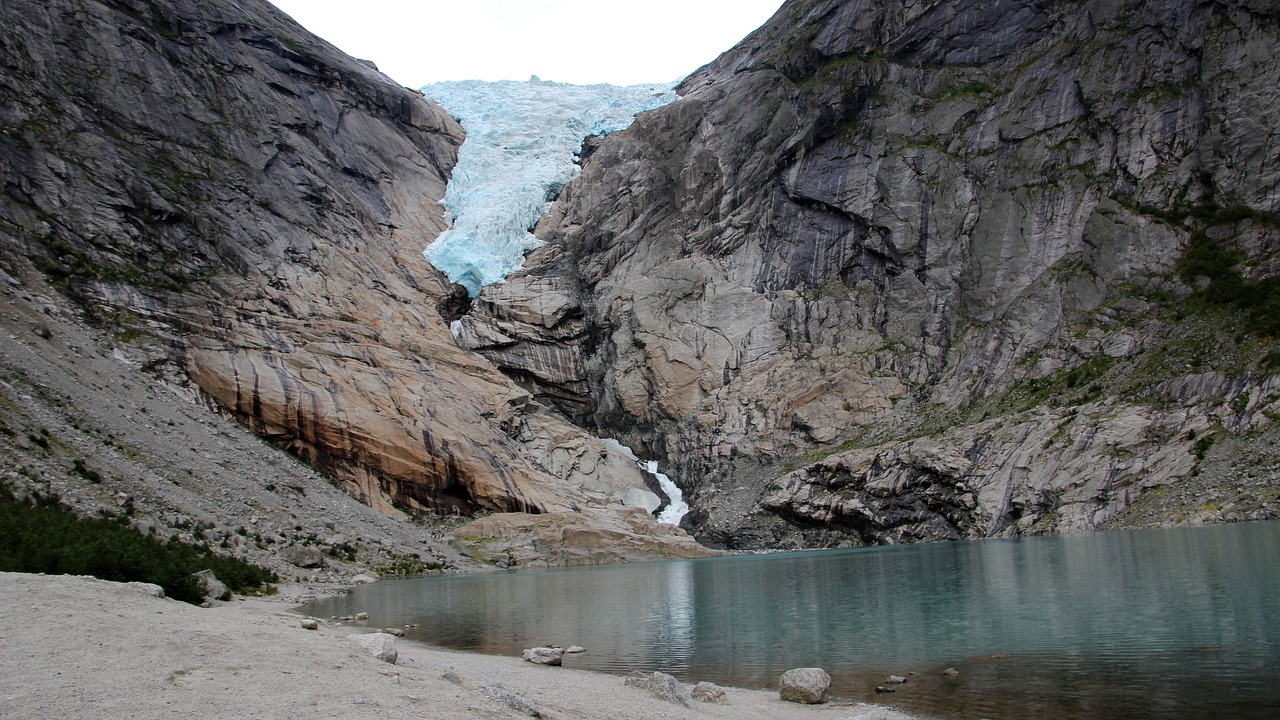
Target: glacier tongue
<point>522,138</point>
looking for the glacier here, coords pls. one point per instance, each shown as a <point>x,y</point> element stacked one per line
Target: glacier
<point>521,147</point>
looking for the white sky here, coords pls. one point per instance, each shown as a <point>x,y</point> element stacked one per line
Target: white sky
<point>623,42</point>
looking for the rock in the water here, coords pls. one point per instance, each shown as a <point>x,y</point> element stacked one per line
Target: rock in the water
<point>304,556</point>
<point>661,686</point>
<point>362,616</point>
<point>310,624</point>
<point>379,645</point>
<point>544,655</point>
<point>951,672</point>
<point>895,680</point>
<point>883,689</point>
<point>574,649</point>
<point>511,700</point>
<point>211,586</point>
<point>394,631</point>
<point>805,685</point>
<point>363,579</point>
<point>709,693</point>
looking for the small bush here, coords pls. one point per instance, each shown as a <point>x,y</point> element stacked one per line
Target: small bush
<point>38,536</point>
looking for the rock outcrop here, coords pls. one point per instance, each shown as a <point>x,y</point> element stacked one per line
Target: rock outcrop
<point>897,271</point>
<point>243,209</point>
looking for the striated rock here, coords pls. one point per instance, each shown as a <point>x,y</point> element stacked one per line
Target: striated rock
<point>379,645</point>
<point>871,221</point>
<point>808,686</point>
<point>544,656</point>
<point>246,207</point>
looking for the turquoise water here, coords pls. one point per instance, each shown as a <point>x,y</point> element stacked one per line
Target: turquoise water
<point>1175,623</point>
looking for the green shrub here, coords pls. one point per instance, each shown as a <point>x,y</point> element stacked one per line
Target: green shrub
<point>39,536</point>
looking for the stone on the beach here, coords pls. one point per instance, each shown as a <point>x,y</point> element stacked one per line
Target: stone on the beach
<point>511,700</point>
<point>951,672</point>
<point>211,587</point>
<point>574,649</point>
<point>393,631</point>
<point>363,579</point>
<point>362,616</point>
<point>709,693</point>
<point>310,624</point>
<point>149,588</point>
<point>661,686</point>
<point>895,680</point>
<point>379,645</point>
<point>805,685</point>
<point>303,556</point>
<point>544,655</point>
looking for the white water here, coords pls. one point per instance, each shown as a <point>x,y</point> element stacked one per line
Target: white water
<point>676,507</point>
<point>522,140</point>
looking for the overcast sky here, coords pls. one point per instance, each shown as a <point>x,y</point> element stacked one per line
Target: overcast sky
<point>573,41</point>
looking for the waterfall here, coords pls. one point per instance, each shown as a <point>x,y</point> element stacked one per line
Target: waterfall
<point>676,508</point>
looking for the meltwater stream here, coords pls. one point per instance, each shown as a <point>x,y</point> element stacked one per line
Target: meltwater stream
<point>1175,623</point>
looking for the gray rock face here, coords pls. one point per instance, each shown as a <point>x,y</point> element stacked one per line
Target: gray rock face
<point>243,208</point>
<point>804,685</point>
<point>872,221</point>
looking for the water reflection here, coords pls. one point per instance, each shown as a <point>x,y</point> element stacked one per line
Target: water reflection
<point>1169,623</point>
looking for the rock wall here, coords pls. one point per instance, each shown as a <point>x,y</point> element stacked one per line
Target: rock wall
<point>243,209</point>
<point>896,271</point>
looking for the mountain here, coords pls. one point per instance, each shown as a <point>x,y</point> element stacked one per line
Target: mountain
<point>237,211</point>
<point>901,271</point>
<point>888,272</point>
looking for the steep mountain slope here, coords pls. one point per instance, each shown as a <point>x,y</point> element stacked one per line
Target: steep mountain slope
<point>242,208</point>
<point>896,271</point>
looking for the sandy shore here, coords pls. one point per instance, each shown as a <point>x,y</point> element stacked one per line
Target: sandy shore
<point>85,648</point>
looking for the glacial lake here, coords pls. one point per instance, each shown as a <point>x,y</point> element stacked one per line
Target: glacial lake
<point>1171,623</point>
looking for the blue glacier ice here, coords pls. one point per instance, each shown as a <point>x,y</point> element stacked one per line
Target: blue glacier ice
<point>522,140</point>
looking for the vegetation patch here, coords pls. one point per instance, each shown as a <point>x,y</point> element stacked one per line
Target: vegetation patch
<point>37,535</point>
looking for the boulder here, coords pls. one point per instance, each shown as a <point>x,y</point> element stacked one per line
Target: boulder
<point>149,588</point>
<point>379,645</point>
<point>303,556</point>
<point>211,587</point>
<point>805,685</point>
<point>709,693</point>
<point>310,624</point>
<point>661,686</point>
<point>544,655</point>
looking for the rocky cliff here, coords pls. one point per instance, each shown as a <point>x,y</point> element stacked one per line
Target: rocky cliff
<point>909,270</point>
<point>239,210</point>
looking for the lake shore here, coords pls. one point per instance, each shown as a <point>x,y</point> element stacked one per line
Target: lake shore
<point>82,647</point>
